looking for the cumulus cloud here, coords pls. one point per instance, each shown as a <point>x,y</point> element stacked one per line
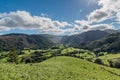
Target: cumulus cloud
<point>81,25</point>
<point>24,20</point>
<point>81,22</point>
<point>108,10</point>
<point>98,16</point>
<point>101,27</point>
<point>3,28</point>
<point>118,16</point>
<point>86,27</point>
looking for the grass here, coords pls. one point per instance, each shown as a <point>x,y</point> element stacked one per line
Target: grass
<point>69,50</point>
<point>110,56</point>
<point>80,53</point>
<point>58,68</point>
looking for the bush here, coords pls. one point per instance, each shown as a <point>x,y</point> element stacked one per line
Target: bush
<point>27,59</point>
<point>54,47</point>
<point>13,56</point>
<point>34,57</point>
<point>115,63</point>
<point>37,53</point>
<point>90,59</point>
<point>31,58</point>
<point>98,61</point>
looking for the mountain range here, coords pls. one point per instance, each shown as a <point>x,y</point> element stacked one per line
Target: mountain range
<point>36,41</point>
<point>76,40</point>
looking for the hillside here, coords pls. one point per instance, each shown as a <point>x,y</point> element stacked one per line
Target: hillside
<point>35,41</point>
<point>13,41</point>
<point>76,40</point>
<point>110,43</point>
<point>111,31</point>
<point>58,68</point>
<point>53,38</point>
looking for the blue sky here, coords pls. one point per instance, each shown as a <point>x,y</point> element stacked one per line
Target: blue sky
<point>58,9</point>
<point>62,16</point>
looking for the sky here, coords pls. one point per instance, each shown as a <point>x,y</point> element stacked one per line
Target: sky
<point>58,17</point>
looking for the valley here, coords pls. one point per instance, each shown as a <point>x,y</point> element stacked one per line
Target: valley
<point>59,39</point>
<point>31,58</point>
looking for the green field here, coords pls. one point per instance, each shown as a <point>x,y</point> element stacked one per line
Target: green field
<point>59,64</point>
<point>112,60</point>
<point>58,68</point>
<point>110,56</point>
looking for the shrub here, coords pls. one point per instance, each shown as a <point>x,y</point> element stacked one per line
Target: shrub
<point>13,56</point>
<point>37,53</point>
<point>27,59</point>
<point>98,61</point>
<point>115,63</point>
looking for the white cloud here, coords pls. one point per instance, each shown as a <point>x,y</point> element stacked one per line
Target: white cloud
<point>118,16</point>
<point>44,15</point>
<point>108,10</point>
<point>92,2</point>
<point>3,28</point>
<point>101,27</point>
<point>81,22</point>
<point>98,16</point>
<point>86,27</point>
<point>24,20</point>
<point>81,25</point>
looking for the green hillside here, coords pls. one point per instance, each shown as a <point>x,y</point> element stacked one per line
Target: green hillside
<point>110,43</point>
<point>58,68</point>
<point>22,41</point>
<point>111,60</point>
<point>78,39</point>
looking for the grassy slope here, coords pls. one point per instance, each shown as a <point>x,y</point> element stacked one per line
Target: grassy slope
<point>113,57</point>
<point>110,56</point>
<point>58,68</point>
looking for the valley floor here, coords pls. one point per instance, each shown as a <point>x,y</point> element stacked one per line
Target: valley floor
<point>58,68</point>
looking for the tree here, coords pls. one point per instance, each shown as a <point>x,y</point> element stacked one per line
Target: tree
<point>98,61</point>
<point>13,56</point>
<point>114,63</point>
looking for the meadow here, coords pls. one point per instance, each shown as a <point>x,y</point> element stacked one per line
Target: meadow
<point>58,68</point>
<point>57,64</point>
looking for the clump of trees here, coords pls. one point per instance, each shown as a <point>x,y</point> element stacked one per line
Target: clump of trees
<point>34,57</point>
<point>115,63</point>
<point>13,56</point>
